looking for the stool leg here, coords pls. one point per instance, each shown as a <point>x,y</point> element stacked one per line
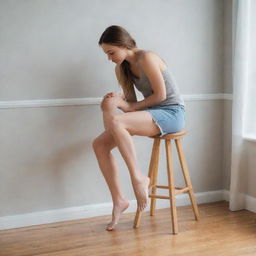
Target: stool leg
<point>136,222</point>
<point>151,174</point>
<point>187,177</point>
<point>171,187</point>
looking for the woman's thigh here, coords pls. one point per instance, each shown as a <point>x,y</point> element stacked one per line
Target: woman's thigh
<point>137,123</point>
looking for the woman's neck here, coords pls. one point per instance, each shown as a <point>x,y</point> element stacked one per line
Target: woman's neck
<point>132,56</point>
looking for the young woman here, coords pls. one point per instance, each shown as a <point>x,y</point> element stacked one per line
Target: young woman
<point>161,112</point>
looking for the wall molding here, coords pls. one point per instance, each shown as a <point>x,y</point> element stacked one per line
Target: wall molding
<point>213,96</point>
<point>95,101</point>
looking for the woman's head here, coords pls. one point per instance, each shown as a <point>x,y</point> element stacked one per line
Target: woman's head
<point>115,41</point>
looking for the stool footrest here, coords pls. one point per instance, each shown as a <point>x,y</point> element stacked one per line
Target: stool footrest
<point>159,196</point>
<point>182,190</point>
<point>179,190</point>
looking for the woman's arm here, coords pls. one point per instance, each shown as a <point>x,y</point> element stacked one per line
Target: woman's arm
<point>123,100</point>
<point>150,65</point>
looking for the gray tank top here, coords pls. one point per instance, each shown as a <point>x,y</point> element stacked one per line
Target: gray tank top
<point>172,92</point>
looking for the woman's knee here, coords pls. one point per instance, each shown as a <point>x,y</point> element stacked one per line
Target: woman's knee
<point>115,123</point>
<point>101,145</point>
<point>97,144</point>
<point>108,104</point>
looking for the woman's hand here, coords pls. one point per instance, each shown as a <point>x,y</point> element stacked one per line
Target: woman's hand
<point>127,106</point>
<point>113,94</point>
<point>119,101</point>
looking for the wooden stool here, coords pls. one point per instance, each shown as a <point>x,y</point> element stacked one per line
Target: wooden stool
<point>173,191</point>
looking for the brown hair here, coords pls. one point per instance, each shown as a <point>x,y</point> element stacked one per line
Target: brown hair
<point>118,36</point>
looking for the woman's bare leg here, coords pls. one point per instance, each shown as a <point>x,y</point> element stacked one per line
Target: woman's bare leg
<point>122,126</point>
<point>102,146</point>
<point>126,147</point>
<point>109,109</point>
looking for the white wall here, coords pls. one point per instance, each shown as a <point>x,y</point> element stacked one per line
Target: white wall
<point>49,50</point>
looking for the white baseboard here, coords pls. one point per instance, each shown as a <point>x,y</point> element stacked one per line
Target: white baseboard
<point>250,203</point>
<point>93,210</point>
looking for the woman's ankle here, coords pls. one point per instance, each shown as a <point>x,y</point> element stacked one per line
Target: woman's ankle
<point>139,179</point>
<point>119,201</point>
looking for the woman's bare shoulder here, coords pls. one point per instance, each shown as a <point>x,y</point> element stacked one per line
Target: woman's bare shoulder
<point>150,56</point>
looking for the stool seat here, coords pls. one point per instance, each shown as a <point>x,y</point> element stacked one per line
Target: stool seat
<point>171,136</point>
<point>173,190</point>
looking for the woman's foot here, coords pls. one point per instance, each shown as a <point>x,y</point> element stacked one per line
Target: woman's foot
<point>141,193</point>
<point>116,213</point>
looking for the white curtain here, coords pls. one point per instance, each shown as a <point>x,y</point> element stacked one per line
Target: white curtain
<point>243,116</point>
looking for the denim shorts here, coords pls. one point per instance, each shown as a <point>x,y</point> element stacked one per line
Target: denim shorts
<point>169,119</point>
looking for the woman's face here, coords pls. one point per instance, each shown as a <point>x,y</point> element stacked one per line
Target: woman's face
<point>114,53</point>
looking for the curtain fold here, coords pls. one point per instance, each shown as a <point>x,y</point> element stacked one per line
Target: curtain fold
<point>240,67</point>
<point>240,62</point>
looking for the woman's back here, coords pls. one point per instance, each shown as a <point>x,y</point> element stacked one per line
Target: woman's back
<point>142,83</point>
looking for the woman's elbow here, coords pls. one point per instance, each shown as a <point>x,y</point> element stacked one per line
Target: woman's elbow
<point>161,97</point>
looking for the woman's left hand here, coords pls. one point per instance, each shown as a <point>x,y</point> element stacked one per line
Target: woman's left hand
<point>121,103</point>
<point>127,106</point>
<point>113,94</point>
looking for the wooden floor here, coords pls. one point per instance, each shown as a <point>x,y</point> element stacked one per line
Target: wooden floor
<point>219,232</point>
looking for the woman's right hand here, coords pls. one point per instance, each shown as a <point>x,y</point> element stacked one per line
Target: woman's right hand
<point>112,98</point>
<point>113,94</point>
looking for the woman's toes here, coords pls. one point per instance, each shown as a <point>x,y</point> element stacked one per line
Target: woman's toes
<point>116,213</point>
<point>141,192</point>
<point>110,227</point>
<point>141,207</point>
